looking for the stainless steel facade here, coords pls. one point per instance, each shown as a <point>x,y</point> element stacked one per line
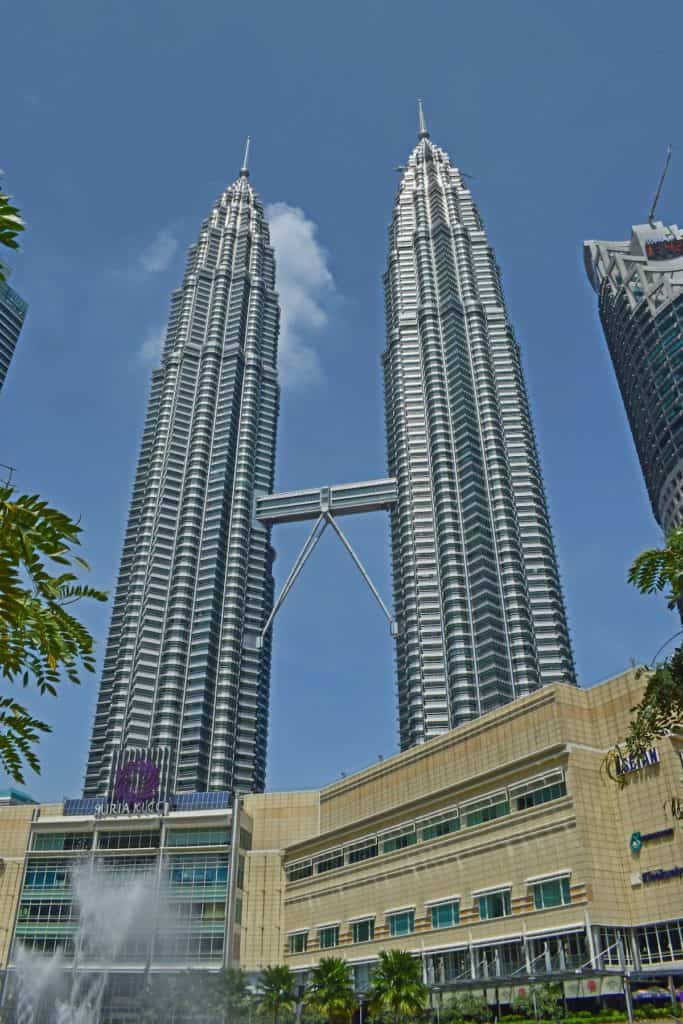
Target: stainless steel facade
<point>640,293</point>
<point>183,675</point>
<point>12,313</point>
<point>478,600</point>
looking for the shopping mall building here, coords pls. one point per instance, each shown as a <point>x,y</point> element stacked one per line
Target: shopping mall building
<point>499,853</point>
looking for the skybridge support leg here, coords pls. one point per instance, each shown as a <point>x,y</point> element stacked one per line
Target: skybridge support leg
<point>324,519</point>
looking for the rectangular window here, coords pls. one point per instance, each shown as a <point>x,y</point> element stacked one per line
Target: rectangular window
<point>296,871</point>
<point>494,904</point>
<point>362,851</point>
<point>363,931</point>
<point>552,893</point>
<point>328,937</point>
<point>329,861</point>
<point>439,825</point>
<point>62,840</point>
<point>486,810</point>
<point>198,837</point>
<point>445,915</point>
<point>402,923</point>
<point>399,839</point>
<point>538,791</point>
<point>298,943</point>
<point>127,840</point>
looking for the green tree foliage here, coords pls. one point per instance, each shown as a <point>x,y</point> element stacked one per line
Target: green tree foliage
<point>468,1006</point>
<point>209,997</point>
<point>661,568</point>
<point>11,225</point>
<point>330,991</point>
<point>40,639</point>
<point>543,1002</point>
<point>397,992</point>
<point>276,991</point>
<point>661,709</point>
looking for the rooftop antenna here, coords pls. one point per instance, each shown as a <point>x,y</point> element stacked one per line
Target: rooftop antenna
<point>422,124</point>
<point>244,170</point>
<point>651,215</point>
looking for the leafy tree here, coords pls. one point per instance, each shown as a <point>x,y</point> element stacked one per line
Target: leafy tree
<point>40,639</point>
<point>468,1006</point>
<point>11,225</point>
<point>540,1001</point>
<point>397,991</point>
<point>276,991</point>
<point>330,991</point>
<point>661,709</point>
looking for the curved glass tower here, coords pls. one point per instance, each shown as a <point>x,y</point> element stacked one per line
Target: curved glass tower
<point>640,290</point>
<point>478,600</point>
<point>183,681</point>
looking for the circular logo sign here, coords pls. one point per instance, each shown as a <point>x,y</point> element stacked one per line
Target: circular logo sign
<point>136,782</point>
<point>636,842</point>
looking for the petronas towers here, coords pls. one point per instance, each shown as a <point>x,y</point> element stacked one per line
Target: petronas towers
<point>478,603</point>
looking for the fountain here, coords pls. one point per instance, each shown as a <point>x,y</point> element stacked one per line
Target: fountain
<point>115,911</point>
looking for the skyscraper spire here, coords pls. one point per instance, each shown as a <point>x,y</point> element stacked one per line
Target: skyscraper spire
<point>244,170</point>
<point>423,133</point>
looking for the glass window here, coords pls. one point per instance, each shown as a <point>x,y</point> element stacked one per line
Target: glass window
<point>399,839</point>
<point>297,871</point>
<point>362,851</point>
<point>329,861</point>
<point>402,923</point>
<point>538,791</point>
<point>495,904</point>
<point>445,915</point>
<point>198,837</point>
<point>127,840</point>
<point>552,893</point>
<point>328,937</point>
<point>298,943</point>
<point>440,825</point>
<point>363,931</point>
<point>487,810</point>
<point>62,841</point>
<point>199,871</point>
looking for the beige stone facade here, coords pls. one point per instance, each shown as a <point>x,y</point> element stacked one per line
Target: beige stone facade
<point>501,848</point>
<point>15,828</point>
<point>489,822</point>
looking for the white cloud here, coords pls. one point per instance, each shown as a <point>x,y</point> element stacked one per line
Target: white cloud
<point>152,346</point>
<point>159,253</point>
<point>303,280</point>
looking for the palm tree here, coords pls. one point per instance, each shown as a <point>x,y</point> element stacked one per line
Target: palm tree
<point>396,987</point>
<point>330,991</point>
<point>276,990</point>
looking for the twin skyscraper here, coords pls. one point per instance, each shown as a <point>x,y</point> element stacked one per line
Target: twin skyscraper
<point>478,608</point>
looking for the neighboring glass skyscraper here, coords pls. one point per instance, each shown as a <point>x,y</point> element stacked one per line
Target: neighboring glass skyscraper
<point>12,314</point>
<point>184,683</point>
<point>478,600</point>
<point>640,293</point>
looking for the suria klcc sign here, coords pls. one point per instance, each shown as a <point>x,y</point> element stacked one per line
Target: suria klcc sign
<point>136,791</point>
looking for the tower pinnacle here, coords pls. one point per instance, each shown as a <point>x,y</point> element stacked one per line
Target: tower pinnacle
<point>244,169</point>
<point>423,133</point>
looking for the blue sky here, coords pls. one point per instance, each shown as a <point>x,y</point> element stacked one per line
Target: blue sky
<point>122,123</point>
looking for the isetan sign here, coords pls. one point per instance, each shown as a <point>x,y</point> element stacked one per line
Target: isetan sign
<point>627,765</point>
